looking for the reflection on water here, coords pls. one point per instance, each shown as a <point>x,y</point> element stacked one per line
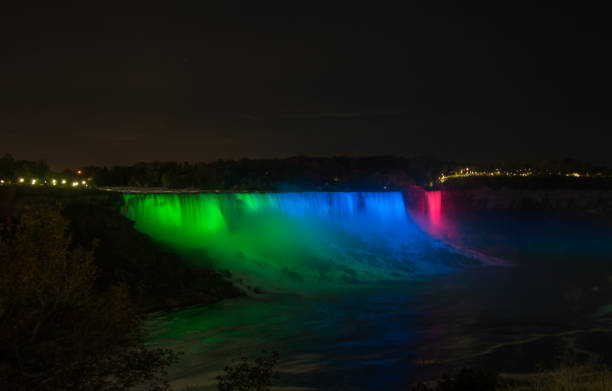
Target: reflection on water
<point>384,335</point>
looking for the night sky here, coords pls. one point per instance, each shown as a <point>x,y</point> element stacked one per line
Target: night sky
<point>106,85</point>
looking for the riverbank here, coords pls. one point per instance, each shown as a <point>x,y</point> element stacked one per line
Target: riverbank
<point>157,278</point>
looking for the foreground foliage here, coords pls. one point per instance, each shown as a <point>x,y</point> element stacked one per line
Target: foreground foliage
<point>59,329</point>
<point>564,377</point>
<point>246,375</point>
<point>570,377</point>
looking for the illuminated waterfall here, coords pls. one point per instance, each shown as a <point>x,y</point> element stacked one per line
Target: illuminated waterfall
<point>289,240</point>
<point>434,206</point>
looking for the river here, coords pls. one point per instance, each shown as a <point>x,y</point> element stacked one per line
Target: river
<point>357,298</point>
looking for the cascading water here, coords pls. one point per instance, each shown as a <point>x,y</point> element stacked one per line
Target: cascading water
<point>293,241</point>
<point>434,206</point>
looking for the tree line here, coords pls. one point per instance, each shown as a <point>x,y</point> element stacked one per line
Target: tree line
<point>295,173</point>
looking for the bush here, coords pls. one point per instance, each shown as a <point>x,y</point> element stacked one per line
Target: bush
<point>244,375</point>
<point>567,376</point>
<point>58,329</point>
<point>570,377</point>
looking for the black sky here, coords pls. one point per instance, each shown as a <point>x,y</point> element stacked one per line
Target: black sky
<point>83,84</point>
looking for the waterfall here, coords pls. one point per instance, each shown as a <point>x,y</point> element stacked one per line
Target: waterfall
<point>434,206</point>
<point>293,241</point>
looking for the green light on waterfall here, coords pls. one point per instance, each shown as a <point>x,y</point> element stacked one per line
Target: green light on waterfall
<point>285,240</point>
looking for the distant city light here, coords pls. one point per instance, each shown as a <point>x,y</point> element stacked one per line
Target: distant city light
<point>33,181</point>
<point>75,184</point>
<point>21,180</point>
<point>63,181</point>
<point>79,172</point>
<point>83,182</point>
<point>53,182</point>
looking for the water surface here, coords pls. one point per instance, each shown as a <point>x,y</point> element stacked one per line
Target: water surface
<point>363,295</point>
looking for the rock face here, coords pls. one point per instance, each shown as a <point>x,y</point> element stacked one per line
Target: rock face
<point>587,202</point>
<point>591,199</point>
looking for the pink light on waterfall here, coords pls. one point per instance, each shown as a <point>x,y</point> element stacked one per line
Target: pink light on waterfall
<point>434,207</point>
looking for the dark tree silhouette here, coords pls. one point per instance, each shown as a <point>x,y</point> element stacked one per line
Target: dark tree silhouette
<point>58,329</point>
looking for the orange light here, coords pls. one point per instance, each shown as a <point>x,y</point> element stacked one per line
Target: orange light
<point>79,172</point>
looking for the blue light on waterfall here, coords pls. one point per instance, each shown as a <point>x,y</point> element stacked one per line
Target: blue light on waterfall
<point>305,239</point>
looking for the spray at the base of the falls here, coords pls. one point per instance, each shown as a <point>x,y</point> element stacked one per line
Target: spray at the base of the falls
<point>294,241</point>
